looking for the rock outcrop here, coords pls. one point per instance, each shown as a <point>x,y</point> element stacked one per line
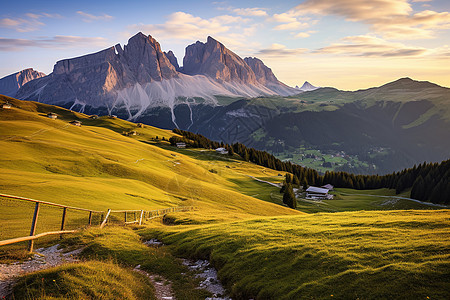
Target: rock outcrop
<point>265,76</point>
<point>216,61</point>
<point>96,78</point>
<point>9,85</point>
<point>173,60</point>
<point>140,78</point>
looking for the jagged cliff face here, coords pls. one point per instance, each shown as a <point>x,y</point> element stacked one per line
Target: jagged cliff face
<point>97,79</point>
<point>140,78</point>
<point>263,74</point>
<point>173,60</point>
<point>10,84</point>
<point>214,60</point>
<point>144,57</point>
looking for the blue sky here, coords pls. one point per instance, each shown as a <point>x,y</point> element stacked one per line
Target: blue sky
<point>349,44</point>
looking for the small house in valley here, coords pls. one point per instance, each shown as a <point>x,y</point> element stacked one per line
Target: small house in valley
<point>52,116</point>
<point>6,105</point>
<point>317,193</point>
<point>181,145</point>
<point>75,123</point>
<point>93,117</point>
<point>222,151</point>
<point>328,187</point>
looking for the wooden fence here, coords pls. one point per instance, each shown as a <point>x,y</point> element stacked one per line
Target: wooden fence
<point>138,217</point>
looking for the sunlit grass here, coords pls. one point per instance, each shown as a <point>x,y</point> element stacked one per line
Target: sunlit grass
<point>87,280</point>
<point>366,255</point>
<point>94,166</point>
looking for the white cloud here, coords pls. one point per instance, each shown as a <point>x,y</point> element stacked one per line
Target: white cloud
<point>254,12</point>
<point>287,17</point>
<point>279,50</point>
<point>29,22</point>
<point>393,19</point>
<point>181,26</point>
<point>90,18</point>
<point>289,21</point>
<point>227,19</point>
<point>291,26</point>
<point>7,22</point>
<point>371,46</point>
<point>304,34</point>
<point>58,41</point>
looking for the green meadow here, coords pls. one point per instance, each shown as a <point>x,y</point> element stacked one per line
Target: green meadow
<point>348,255</point>
<point>360,245</point>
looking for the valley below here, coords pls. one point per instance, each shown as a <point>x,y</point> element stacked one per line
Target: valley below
<point>366,244</point>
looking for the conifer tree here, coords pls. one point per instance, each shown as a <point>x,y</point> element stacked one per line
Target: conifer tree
<point>289,196</point>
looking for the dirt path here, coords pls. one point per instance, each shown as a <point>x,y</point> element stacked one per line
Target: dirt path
<point>43,258</point>
<point>163,287</point>
<point>206,272</point>
<point>278,185</point>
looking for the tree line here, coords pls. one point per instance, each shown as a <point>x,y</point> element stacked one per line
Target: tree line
<point>428,181</point>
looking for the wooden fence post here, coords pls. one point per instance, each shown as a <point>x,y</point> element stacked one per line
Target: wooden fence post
<point>90,218</point>
<point>125,217</point>
<point>140,218</point>
<point>33,226</point>
<point>63,221</point>
<point>106,219</point>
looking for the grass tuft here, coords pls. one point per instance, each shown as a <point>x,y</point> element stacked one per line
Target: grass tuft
<point>87,280</point>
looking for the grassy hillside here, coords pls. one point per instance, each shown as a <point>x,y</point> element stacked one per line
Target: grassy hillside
<point>351,255</point>
<point>87,280</point>
<point>262,249</point>
<point>95,166</point>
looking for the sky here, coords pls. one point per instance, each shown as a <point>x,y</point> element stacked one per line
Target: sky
<point>347,44</point>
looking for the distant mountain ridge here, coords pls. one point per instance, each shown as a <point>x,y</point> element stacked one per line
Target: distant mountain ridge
<point>218,94</point>
<point>9,85</point>
<point>306,87</point>
<point>140,77</point>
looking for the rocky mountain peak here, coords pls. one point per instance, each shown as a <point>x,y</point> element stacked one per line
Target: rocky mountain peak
<point>172,58</point>
<point>139,75</point>
<point>214,60</point>
<point>263,73</point>
<point>146,59</point>
<point>9,85</point>
<point>306,87</point>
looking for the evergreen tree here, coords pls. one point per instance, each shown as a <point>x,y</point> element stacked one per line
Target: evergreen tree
<point>283,188</point>
<point>289,197</point>
<point>418,189</point>
<point>246,156</point>
<point>432,174</point>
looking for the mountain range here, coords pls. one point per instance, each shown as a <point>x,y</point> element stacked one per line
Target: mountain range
<point>224,97</point>
<point>140,76</point>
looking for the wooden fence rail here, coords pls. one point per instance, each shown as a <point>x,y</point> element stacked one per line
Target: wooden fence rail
<point>143,215</point>
<point>32,235</point>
